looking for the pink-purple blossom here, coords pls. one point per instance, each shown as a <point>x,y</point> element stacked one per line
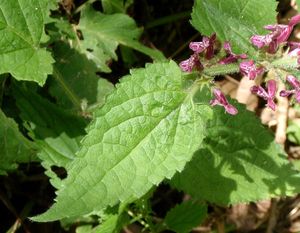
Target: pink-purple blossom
<point>294,82</point>
<point>221,100</point>
<point>249,69</point>
<point>279,34</point>
<point>231,57</point>
<point>189,64</point>
<point>268,95</point>
<point>207,44</point>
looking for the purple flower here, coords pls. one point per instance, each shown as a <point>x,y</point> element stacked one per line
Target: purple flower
<point>207,44</point>
<point>189,64</point>
<point>282,32</point>
<point>249,69</point>
<point>261,41</point>
<point>268,95</point>
<point>231,57</point>
<point>221,100</point>
<point>279,33</point>
<point>294,48</point>
<point>295,84</point>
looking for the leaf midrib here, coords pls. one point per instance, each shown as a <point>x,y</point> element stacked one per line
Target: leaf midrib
<point>128,153</point>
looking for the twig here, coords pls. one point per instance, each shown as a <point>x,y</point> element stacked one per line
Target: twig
<point>273,216</point>
<point>182,47</point>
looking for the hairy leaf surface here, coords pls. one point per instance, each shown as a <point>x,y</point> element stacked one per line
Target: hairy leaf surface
<point>103,33</point>
<point>21,30</point>
<point>240,162</point>
<point>147,130</point>
<point>234,20</point>
<point>14,147</point>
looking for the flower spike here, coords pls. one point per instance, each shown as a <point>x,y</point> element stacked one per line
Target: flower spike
<point>268,95</point>
<point>221,100</point>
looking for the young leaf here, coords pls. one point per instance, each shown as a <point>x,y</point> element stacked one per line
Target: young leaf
<point>21,30</point>
<point>14,147</point>
<point>115,6</point>
<point>184,217</point>
<point>56,133</point>
<point>147,130</point>
<point>72,72</point>
<point>234,20</point>
<point>103,33</point>
<point>239,162</point>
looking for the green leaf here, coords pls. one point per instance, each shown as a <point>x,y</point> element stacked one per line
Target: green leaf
<point>239,162</point>
<point>14,147</point>
<point>115,6</point>
<point>234,20</point>
<point>75,81</point>
<point>56,132</point>
<point>293,132</point>
<point>108,226</point>
<point>184,217</point>
<point>103,33</point>
<point>147,130</point>
<point>21,30</point>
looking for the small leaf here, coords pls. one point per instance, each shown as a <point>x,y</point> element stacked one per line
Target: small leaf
<point>115,6</point>
<point>184,217</point>
<point>147,130</point>
<point>293,132</point>
<point>56,132</point>
<point>21,31</point>
<point>103,33</point>
<point>109,225</point>
<point>239,162</point>
<point>234,20</point>
<point>14,147</point>
<point>73,71</point>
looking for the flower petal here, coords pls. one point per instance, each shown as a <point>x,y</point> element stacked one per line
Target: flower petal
<point>294,20</point>
<point>297,96</point>
<point>258,90</point>
<point>272,87</point>
<point>220,96</point>
<point>261,41</point>
<point>285,93</point>
<point>197,47</point>
<point>271,104</point>
<point>293,81</point>
<point>231,109</point>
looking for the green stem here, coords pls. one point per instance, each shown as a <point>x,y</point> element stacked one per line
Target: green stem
<point>221,69</point>
<point>183,46</point>
<point>168,19</point>
<point>286,63</point>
